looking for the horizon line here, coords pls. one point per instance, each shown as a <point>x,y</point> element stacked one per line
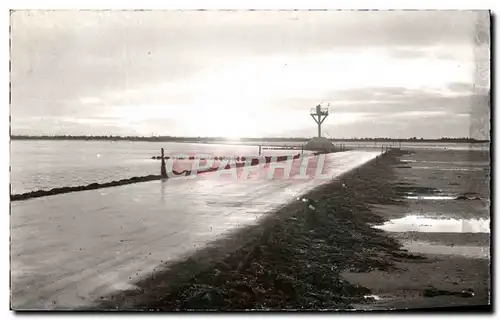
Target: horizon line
<point>21,136</point>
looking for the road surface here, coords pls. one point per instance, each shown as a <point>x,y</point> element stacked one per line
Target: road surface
<point>68,250</point>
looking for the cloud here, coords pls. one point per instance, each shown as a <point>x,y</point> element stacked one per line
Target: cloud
<point>456,53</point>
<point>415,114</point>
<point>85,52</point>
<point>64,126</point>
<point>453,99</point>
<point>126,68</point>
<point>461,87</point>
<point>409,53</point>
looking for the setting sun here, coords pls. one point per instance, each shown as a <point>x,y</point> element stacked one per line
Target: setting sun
<point>231,126</point>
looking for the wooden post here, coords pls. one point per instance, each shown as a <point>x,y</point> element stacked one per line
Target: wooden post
<point>163,168</point>
<point>260,150</point>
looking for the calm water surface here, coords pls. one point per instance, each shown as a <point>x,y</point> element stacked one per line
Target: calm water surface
<point>45,164</point>
<point>41,165</point>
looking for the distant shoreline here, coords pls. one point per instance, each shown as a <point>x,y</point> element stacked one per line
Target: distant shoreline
<point>237,141</point>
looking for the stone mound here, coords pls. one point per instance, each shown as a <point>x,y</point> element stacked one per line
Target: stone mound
<point>319,144</point>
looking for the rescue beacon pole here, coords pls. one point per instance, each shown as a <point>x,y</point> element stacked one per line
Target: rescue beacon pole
<point>163,169</point>
<point>319,115</point>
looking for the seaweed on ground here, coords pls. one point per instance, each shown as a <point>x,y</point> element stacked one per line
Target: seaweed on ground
<point>292,260</point>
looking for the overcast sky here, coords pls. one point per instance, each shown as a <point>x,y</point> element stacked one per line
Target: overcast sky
<point>250,73</point>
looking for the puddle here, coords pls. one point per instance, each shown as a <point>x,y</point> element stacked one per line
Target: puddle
<point>461,163</point>
<point>449,169</point>
<point>421,223</point>
<point>424,247</point>
<point>409,189</point>
<point>373,296</point>
<point>430,197</point>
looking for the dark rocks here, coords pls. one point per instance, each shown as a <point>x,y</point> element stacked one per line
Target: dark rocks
<point>92,186</point>
<point>268,159</point>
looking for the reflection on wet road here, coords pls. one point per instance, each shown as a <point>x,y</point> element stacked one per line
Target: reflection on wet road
<point>70,249</point>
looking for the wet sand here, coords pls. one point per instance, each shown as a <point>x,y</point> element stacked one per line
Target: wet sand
<point>453,235</point>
